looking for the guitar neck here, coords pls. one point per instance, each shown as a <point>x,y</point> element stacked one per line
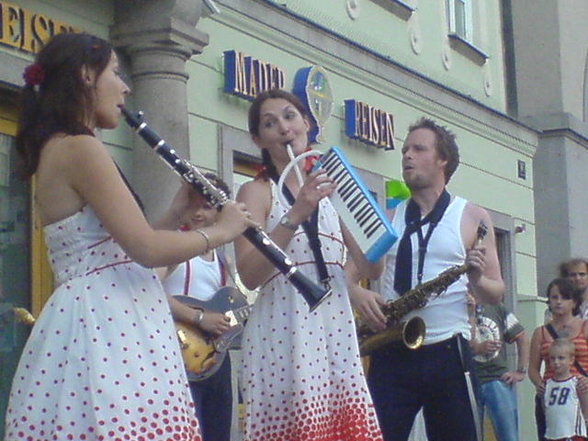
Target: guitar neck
<point>239,315</point>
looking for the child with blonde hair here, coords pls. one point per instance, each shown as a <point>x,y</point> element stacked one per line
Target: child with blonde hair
<point>566,408</point>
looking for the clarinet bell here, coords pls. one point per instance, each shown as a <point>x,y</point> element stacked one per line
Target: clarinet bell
<point>313,293</point>
<point>315,299</point>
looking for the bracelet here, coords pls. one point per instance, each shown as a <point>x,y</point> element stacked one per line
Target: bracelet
<point>206,238</point>
<point>522,370</point>
<point>198,316</point>
<point>287,223</point>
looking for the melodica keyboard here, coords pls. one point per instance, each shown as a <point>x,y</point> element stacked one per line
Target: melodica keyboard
<point>356,206</point>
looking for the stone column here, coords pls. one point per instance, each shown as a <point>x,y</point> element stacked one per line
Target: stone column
<point>159,37</point>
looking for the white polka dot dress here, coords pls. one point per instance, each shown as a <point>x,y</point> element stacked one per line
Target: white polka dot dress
<point>302,377</point>
<point>102,361</point>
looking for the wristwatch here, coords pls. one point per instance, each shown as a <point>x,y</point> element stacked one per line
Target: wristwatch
<point>198,315</point>
<point>286,222</point>
<point>522,370</point>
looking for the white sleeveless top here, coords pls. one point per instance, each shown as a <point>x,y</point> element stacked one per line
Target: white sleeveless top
<point>204,281</point>
<point>445,315</point>
<point>562,410</point>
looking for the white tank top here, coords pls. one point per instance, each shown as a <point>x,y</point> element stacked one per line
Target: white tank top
<point>203,282</point>
<point>562,410</point>
<point>445,315</point>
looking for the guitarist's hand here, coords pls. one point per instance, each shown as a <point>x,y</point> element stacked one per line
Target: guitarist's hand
<point>214,323</point>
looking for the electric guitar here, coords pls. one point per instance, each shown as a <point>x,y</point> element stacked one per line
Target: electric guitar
<point>202,353</point>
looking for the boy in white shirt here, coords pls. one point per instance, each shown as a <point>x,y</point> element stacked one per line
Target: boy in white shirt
<point>565,407</point>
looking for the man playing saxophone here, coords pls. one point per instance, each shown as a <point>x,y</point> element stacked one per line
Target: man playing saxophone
<point>438,231</point>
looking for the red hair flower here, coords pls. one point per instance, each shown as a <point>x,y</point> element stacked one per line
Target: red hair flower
<point>261,172</point>
<point>33,75</point>
<point>310,161</point>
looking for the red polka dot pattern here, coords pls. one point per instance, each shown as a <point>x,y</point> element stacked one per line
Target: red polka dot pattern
<point>102,362</point>
<point>302,377</point>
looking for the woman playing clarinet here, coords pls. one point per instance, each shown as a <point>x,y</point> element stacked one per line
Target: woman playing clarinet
<point>302,377</point>
<point>103,360</point>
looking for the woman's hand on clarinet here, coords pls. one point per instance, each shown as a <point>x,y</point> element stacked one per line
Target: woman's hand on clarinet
<point>234,219</point>
<point>317,186</point>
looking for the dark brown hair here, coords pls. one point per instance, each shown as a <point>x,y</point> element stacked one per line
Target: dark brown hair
<point>255,109</point>
<point>255,119</point>
<point>564,267</point>
<point>218,183</point>
<point>61,102</point>
<point>567,291</point>
<point>446,146</point>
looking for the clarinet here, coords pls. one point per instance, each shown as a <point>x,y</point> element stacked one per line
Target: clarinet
<point>313,293</point>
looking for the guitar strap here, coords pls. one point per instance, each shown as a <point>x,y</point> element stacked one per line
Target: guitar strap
<point>187,279</point>
<point>223,267</point>
<point>553,333</point>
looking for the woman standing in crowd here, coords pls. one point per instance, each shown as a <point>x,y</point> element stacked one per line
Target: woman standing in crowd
<point>102,361</point>
<point>302,377</point>
<point>564,302</point>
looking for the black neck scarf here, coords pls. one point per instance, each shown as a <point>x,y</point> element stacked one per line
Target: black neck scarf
<point>412,219</point>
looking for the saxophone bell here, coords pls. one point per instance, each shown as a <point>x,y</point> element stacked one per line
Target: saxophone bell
<point>411,333</point>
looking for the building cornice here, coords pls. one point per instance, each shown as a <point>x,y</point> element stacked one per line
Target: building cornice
<point>561,124</point>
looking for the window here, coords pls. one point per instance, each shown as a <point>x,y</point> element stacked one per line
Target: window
<point>402,8</point>
<point>459,17</point>
<point>460,21</point>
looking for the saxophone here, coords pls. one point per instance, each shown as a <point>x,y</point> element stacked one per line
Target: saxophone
<point>411,332</point>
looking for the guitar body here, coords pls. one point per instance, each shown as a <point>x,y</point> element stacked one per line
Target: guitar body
<point>202,353</point>
<point>224,300</point>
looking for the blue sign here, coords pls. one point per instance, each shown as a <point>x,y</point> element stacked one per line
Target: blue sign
<point>246,77</point>
<point>369,124</point>
<point>312,87</point>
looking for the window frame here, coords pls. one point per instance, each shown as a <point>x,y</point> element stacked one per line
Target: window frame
<point>467,17</point>
<point>463,42</point>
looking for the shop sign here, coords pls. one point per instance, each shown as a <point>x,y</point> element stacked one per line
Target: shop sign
<point>26,30</point>
<point>312,87</point>
<point>369,124</point>
<point>246,76</point>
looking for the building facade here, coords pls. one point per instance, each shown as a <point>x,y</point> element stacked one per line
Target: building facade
<point>551,74</point>
<point>367,69</point>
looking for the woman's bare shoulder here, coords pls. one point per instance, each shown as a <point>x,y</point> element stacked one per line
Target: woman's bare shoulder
<point>255,188</point>
<point>62,160</point>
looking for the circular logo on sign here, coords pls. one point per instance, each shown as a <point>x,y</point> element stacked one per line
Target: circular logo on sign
<point>312,86</point>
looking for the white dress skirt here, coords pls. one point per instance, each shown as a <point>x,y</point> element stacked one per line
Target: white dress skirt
<point>302,378</point>
<point>102,361</point>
